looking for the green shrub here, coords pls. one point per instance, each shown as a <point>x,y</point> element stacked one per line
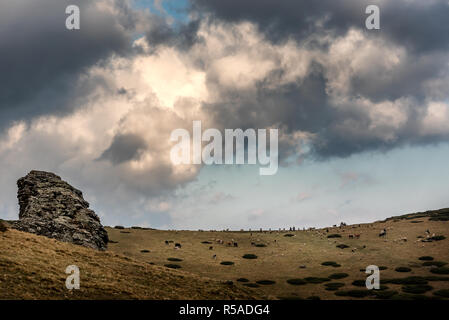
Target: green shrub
<point>249,256</point>
<point>359,283</point>
<point>333,286</point>
<point>316,279</point>
<point>338,275</point>
<point>334,235</point>
<point>402,269</point>
<point>206,242</point>
<point>266,282</point>
<point>289,235</point>
<point>426,258</point>
<point>416,288</point>
<point>407,280</point>
<point>144,251</point>
<point>440,270</point>
<point>330,263</point>
<point>437,278</point>
<point>242,280</point>
<point>296,282</point>
<point>174,259</point>
<point>386,294</point>
<point>260,245</point>
<point>173,266</point>
<point>353,293</point>
<point>119,227</point>
<point>442,293</point>
<point>227,263</point>
<point>437,238</point>
<point>434,263</point>
<point>383,268</point>
<point>342,246</point>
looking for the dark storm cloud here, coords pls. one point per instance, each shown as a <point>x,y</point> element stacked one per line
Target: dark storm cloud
<point>40,60</point>
<point>182,36</point>
<point>420,25</point>
<point>123,148</point>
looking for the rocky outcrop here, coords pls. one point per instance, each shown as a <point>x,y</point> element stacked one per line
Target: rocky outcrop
<point>51,207</point>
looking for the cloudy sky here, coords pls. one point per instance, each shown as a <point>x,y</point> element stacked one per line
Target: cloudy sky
<point>363,115</point>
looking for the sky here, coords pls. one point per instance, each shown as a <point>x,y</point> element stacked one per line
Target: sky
<point>363,115</point>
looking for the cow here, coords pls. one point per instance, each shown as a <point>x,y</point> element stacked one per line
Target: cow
<point>178,245</point>
<point>236,244</point>
<point>166,242</point>
<point>214,256</point>
<point>357,236</point>
<point>211,248</point>
<point>383,233</point>
<point>351,236</point>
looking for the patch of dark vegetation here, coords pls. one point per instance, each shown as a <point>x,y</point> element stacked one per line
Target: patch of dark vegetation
<point>407,296</point>
<point>414,280</point>
<point>296,282</point>
<point>173,266</point>
<point>125,232</point>
<point>260,245</point>
<point>174,259</point>
<point>402,269</point>
<point>359,283</point>
<point>416,221</point>
<point>227,263</point>
<point>338,275</point>
<point>385,294</point>
<point>353,293</point>
<point>266,282</point>
<point>425,258</point>
<point>251,285</point>
<point>289,235</point>
<point>152,263</point>
<point>442,293</point>
<point>112,241</point>
<point>206,242</point>
<point>342,246</point>
<point>383,268</point>
<point>441,270</point>
<point>334,235</point>
<point>437,238</point>
<point>119,227</point>
<point>136,228</point>
<point>144,251</point>
<point>313,298</point>
<point>316,280</point>
<point>242,280</point>
<point>249,256</point>
<point>433,215</point>
<point>437,278</point>
<point>416,288</point>
<point>330,263</point>
<point>434,263</point>
<point>333,286</point>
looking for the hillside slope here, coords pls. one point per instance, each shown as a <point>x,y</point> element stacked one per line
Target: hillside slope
<point>33,267</point>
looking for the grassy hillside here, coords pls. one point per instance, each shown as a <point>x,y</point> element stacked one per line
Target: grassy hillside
<point>33,267</point>
<point>281,257</point>
<point>324,263</point>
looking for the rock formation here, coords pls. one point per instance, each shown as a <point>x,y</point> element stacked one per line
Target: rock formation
<point>51,207</point>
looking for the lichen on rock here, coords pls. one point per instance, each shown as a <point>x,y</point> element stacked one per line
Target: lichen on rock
<point>51,207</point>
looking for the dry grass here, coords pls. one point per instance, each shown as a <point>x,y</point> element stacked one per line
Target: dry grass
<point>281,258</point>
<point>33,267</point>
